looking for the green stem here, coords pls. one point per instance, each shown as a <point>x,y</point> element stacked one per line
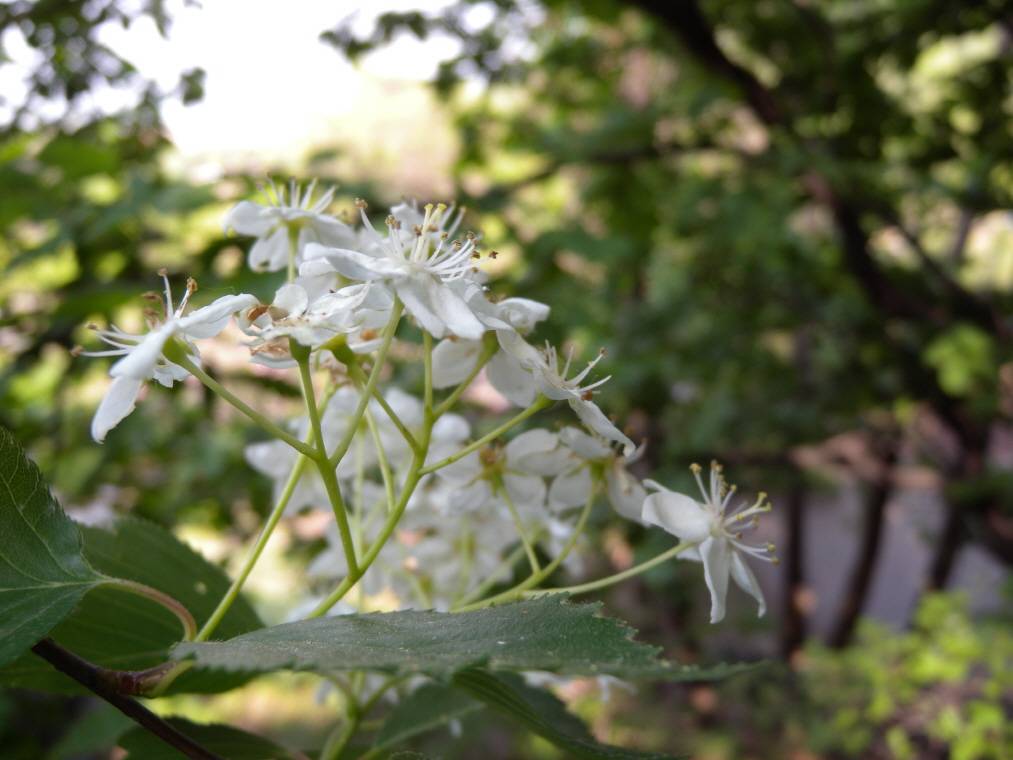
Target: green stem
<point>359,377</point>
<point>427,364</point>
<point>535,578</point>
<point>215,387</point>
<point>540,403</point>
<point>258,548</point>
<point>488,350</point>
<point>159,597</point>
<point>293,249</point>
<point>411,480</point>
<point>381,455</point>
<point>341,735</point>
<point>529,548</point>
<point>483,588</point>
<point>374,378</point>
<point>610,580</point>
<point>302,356</point>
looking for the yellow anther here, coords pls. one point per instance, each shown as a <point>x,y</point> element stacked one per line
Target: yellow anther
<point>76,350</point>
<point>163,272</point>
<point>361,204</point>
<point>191,284</point>
<point>695,468</point>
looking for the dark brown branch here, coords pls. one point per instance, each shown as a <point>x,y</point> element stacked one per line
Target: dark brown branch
<point>793,630</point>
<point>686,20</point>
<point>865,566</point>
<point>97,681</point>
<point>951,538</point>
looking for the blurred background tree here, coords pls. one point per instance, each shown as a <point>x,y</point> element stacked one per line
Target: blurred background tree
<point>788,222</point>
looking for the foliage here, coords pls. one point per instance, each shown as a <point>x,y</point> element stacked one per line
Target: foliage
<point>943,686</point>
<point>779,219</point>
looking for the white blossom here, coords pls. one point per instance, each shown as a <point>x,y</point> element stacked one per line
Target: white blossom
<point>142,356</point>
<point>455,358</point>
<point>311,321</point>
<point>420,264</point>
<point>287,219</point>
<point>715,535</point>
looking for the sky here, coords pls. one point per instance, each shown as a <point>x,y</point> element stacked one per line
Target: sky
<point>270,82</point>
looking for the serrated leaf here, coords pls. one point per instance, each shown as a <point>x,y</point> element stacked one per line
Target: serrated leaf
<point>128,632</point>
<point>427,708</point>
<point>222,740</point>
<point>542,713</point>
<point>546,633</point>
<point>43,572</point>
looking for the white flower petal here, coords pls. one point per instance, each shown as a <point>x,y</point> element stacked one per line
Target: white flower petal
<point>451,427</point>
<point>452,310</point>
<point>471,498</point>
<point>269,254</point>
<point>351,264</point>
<point>329,231</point>
<point>511,379</point>
<point>571,489</point>
<point>118,402</point>
<point>453,360</point>
<point>525,451</point>
<point>527,492</point>
<point>140,362</point>
<point>247,218</point>
<point>678,514</point>
<point>743,576</point>
<point>463,471</point>
<point>717,556</point>
<point>595,419</point>
<point>210,320</point>
<point>416,301</point>
<point>522,313</point>
<point>583,444</point>
<point>626,494</point>
<point>291,299</point>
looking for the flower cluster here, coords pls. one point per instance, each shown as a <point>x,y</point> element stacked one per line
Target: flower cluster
<point>425,508</point>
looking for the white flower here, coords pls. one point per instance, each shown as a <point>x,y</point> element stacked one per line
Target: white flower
<point>526,371</point>
<point>518,468</point>
<point>455,358</point>
<point>587,454</point>
<point>419,264</point>
<point>311,321</point>
<point>142,355</point>
<point>716,536</point>
<point>296,216</point>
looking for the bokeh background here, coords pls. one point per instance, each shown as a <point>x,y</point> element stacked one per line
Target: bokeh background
<point>788,222</point>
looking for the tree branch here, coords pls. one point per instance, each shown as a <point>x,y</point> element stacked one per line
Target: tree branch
<point>793,629</point>
<point>101,682</point>
<point>865,566</point>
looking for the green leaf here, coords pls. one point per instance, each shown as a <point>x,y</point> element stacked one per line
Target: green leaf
<point>43,573</point>
<point>127,632</point>
<point>220,739</point>
<point>92,733</point>
<point>542,713</point>
<point>546,633</point>
<point>428,707</point>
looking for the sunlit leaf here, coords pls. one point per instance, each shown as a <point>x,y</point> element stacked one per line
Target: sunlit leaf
<point>43,572</point>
